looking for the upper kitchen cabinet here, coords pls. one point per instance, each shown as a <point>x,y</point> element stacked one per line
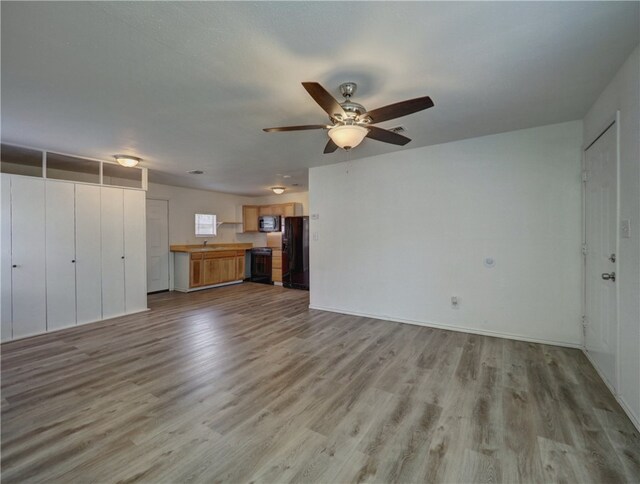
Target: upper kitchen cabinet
<point>250,213</point>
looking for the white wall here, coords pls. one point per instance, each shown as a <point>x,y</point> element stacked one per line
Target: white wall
<point>399,234</point>
<point>623,94</point>
<point>185,202</point>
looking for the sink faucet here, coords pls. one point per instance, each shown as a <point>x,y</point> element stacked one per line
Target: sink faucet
<point>204,244</point>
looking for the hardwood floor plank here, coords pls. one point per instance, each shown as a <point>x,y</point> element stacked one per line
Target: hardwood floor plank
<point>246,384</point>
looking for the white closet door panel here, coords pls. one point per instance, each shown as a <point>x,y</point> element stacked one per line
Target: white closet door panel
<point>112,252</point>
<point>61,255</point>
<point>135,251</point>
<point>5,243</point>
<point>28,256</point>
<point>88,262</point>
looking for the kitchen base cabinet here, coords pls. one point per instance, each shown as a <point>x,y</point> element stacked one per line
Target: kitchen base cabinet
<point>202,269</point>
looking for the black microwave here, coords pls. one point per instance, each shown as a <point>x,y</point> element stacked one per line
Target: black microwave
<point>269,223</point>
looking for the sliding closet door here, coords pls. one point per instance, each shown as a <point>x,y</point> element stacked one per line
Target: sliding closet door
<point>135,250</point>
<point>61,255</point>
<point>112,222</point>
<point>28,256</point>
<point>5,242</point>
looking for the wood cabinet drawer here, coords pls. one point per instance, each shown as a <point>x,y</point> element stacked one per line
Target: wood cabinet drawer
<point>196,255</point>
<point>219,254</point>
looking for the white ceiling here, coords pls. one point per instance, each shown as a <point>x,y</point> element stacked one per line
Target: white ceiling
<point>190,85</point>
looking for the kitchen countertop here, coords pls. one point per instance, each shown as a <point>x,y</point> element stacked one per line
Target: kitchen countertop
<point>209,247</point>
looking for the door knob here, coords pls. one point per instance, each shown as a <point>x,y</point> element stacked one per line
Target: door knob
<point>609,276</point>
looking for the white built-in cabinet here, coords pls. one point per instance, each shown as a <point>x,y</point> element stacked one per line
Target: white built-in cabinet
<point>72,253</point>
<point>28,282</point>
<point>60,254</point>
<point>135,250</point>
<point>88,250</point>
<point>112,219</point>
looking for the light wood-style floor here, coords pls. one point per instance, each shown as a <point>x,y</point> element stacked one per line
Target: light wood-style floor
<point>245,383</point>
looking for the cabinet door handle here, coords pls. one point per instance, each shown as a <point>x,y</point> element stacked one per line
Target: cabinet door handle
<point>14,265</point>
<point>73,261</point>
<point>122,257</point>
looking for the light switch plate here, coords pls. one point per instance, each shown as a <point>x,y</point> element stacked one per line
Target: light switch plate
<point>625,229</point>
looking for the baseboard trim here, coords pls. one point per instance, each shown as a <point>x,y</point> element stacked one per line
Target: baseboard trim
<point>460,329</point>
<point>627,409</point>
<point>75,326</point>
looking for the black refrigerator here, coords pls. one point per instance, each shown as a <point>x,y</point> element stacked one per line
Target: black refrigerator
<point>295,253</point>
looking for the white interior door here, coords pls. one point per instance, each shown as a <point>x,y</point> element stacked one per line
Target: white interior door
<point>28,256</point>
<point>88,248</point>
<point>6,257</point>
<point>601,332</point>
<point>112,222</point>
<point>61,254</point>
<point>135,249</point>
<point>157,245</point>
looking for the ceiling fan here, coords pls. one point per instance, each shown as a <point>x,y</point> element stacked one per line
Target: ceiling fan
<point>351,122</point>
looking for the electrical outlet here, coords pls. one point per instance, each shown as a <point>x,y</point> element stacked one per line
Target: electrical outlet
<point>315,236</point>
<point>315,216</point>
<point>455,302</point>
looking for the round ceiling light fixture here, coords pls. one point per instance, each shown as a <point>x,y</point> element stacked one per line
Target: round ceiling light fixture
<point>348,136</point>
<point>128,161</point>
<point>278,190</point>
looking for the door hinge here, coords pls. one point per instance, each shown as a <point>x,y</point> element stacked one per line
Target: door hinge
<point>585,249</point>
<point>585,175</point>
<point>584,321</point>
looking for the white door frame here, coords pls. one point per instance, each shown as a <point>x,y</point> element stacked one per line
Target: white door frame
<point>158,199</point>
<point>613,121</point>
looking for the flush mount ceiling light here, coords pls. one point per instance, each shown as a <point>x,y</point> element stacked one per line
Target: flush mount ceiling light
<point>348,136</point>
<point>278,190</point>
<point>128,161</point>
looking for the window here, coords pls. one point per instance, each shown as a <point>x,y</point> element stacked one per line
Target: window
<point>206,225</point>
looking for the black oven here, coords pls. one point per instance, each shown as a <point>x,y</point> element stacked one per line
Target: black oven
<point>261,265</point>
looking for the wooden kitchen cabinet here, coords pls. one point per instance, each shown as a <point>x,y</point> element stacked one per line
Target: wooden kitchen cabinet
<point>240,265</point>
<point>201,269</point>
<point>196,271</point>
<point>250,214</point>
<point>276,265</point>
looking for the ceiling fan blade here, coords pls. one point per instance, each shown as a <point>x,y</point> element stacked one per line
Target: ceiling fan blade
<point>330,147</point>
<point>296,128</point>
<point>398,110</point>
<point>386,136</point>
<point>324,99</point>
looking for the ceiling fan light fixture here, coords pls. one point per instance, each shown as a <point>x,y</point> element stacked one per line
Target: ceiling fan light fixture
<point>348,136</point>
<point>128,161</point>
<point>278,190</point>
